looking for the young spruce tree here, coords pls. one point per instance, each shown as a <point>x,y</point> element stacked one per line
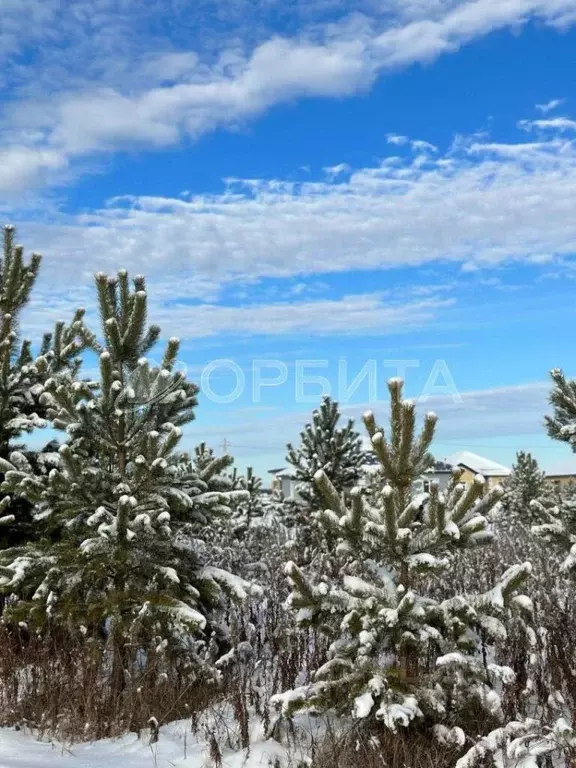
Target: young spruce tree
<point>130,562</point>
<point>251,509</point>
<point>525,483</point>
<point>337,451</point>
<point>399,653</point>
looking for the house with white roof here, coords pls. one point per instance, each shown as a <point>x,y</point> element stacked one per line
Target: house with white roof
<point>441,471</point>
<point>473,465</point>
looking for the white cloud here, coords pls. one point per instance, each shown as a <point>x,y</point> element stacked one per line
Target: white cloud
<point>396,139</point>
<point>561,124</point>
<point>425,39</point>
<point>479,204</point>
<point>23,21</point>
<point>423,146</point>
<point>103,119</point>
<point>549,105</point>
<point>369,313</point>
<point>22,167</point>
<point>130,96</point>
<point>333,171</point>
<point>491,413</point>
<point>351,315</point>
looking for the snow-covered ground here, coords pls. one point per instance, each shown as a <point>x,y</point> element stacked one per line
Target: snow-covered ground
<point>177,747</point>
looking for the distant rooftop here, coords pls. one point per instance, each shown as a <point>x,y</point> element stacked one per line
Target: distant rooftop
<point>478,464</point>
<point>560,467</point>
<point>440,466</point>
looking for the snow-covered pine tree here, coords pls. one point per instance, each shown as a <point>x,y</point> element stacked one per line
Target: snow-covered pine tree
<point>251,509</point>
<point>129,561</point>
<point>562,424</point>
<point>554,517</point>
<point>23,373</point>
<point>205,457</point>
<point>215,493</point>
<point>525,483</point>
<point>555,510</point>
<point>252,484</point>
<point>399,653</point>
<point>326,446</point>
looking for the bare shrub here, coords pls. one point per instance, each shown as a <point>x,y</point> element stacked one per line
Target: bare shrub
<point>378,747</point>
<point>62,686</point>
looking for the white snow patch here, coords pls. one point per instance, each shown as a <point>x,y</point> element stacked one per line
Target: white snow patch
<point>177,747</point>
<point>363,705</point>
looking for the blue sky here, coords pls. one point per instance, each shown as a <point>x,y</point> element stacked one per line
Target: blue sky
<point>351,183</point>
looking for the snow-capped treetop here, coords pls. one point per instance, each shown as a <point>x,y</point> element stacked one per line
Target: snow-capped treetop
<point>23,376</point>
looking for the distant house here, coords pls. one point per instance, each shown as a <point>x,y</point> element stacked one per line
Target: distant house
<point>283,481</point>
<point>440,473</point>
<point>473,465</point>
<point>560,481</point>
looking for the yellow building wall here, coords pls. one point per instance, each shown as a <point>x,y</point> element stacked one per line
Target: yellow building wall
<point>561,480</point>
<point>468,476</point>
<point>491,481</point>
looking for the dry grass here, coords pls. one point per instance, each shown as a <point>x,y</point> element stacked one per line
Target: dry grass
<point>70,688</point>
<point>378,747</point>
<point>62,686</point>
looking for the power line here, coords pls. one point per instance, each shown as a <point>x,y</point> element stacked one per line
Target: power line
<point>456,444</point>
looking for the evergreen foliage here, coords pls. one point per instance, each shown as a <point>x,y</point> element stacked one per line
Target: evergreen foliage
<point>130,561</point>
<point>525,483</point>
<point>253,507</point>
<point>214,492</point>
<point>23,374</point>
<point>555,516</point>
<point>337,451</point>
<point>398,652</point>
<point>562,424</point>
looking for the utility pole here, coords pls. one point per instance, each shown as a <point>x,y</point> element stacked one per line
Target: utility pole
<point>225,446</point>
